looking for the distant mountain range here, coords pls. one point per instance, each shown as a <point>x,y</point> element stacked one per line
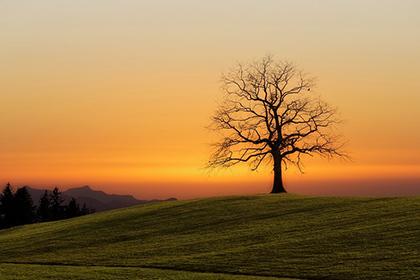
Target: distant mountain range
<point>97,200</point>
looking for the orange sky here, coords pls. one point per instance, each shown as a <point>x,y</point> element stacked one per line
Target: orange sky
<point>117,94</point>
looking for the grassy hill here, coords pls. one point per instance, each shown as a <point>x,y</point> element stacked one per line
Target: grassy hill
<point>251,237</point>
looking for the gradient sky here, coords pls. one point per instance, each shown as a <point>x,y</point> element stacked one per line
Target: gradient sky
<point>117,94</point>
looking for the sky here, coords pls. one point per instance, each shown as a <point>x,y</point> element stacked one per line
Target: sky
<point>118,94</point>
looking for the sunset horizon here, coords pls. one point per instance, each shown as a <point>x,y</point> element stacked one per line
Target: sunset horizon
<point>119,96</point>
<point>210,140</point>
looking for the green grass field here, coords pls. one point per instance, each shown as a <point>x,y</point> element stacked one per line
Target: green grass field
<point>277,236</point>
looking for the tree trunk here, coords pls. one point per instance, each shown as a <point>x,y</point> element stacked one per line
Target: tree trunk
<point>278,186</point>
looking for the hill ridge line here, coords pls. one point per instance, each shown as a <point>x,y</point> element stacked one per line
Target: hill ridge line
<point>158,268</point>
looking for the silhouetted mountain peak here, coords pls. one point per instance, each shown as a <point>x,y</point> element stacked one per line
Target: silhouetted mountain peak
<point>86,188</point>
<point>94,199</point>
<point>85,191</point>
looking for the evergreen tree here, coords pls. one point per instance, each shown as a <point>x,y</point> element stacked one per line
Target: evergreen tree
<point>7,214</point>
<point>85,210</point>
<point>24,207</point>
<point>56,200</point>
<point>73,209</point>
<point>44,208</point>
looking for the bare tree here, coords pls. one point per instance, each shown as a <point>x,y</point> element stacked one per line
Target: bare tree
<point>269,114</point>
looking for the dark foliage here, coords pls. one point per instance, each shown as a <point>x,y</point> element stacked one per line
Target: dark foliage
<point>44,208</point>
<point>56,200</point>
<point>7,214</point>
<point>85,210</point>
<point>73,209</point>
<point>23,207</point>
<point>17,208</point>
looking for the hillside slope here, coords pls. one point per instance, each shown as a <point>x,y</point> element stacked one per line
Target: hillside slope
<point>275,235</point>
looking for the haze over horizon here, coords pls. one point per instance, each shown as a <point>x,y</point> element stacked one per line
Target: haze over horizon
<point>117,94</point>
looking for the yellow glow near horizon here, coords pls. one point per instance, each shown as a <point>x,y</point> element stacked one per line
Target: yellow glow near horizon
<point>118,93</point>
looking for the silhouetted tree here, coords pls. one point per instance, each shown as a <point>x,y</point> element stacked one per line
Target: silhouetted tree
<point>18,209</point>
<point>44,208</point>
<point>7,213</point>
<point>73,209</point>
<point>85,210</point>
<point>23,207</point>
<point>269,114</point>
<point>56,200</point>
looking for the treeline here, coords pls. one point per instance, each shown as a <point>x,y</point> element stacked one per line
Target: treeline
<point>17,207</point>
